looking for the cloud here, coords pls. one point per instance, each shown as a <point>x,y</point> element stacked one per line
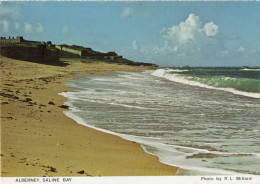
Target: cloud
<point>190,30</point>
<point>166,49</point>
<point>184,32</point>
<point>16,25</point>
<point>241,49</point>
<point>211,29</point>
<point>65,30</point>
<point>9,25</point>
<point>233,37</point>
<point>30,29</point>
<point>4,26</point>
<point>190,38</point>
<point>9,12</point>
<point>127,12</point>
<point>255,51</point>
<point>135,47</point>
<point>223,53</point>
<point>39,28</point>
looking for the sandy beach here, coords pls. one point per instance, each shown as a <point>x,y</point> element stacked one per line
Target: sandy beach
<point>38,139</point>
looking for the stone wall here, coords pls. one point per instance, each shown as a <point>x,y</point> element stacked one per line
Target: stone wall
<point>33,54</point>
<point>18,39</point>
<point>113,58</point>
<point>86,52</point>
<point>89,53</point>
<point>51,56</point>
<point>78,52</point>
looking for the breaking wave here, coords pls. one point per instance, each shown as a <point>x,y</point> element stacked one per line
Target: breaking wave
<point>249,87</point>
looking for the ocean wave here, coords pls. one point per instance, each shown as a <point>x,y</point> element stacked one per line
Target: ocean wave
<point>156,147</point>
<point>222,83</point>
<point>177,70</point>
<point>140,107</point>
<point>251,69</point>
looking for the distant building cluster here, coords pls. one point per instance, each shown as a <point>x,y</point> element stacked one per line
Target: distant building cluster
<point>17,39</point>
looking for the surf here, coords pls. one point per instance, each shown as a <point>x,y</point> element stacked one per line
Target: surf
<point>169,119</point>
<point>237,86</point>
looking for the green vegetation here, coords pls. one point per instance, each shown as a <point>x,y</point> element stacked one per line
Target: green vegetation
<point>75,47</point>
<point>21,44</point>
<point>83,60</point>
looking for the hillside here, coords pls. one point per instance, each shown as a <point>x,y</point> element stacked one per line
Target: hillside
<point>48,53</point>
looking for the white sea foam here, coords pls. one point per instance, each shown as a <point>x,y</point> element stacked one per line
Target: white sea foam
<point>165,150</point>
<point>166,121</point>
<point>177,78</point>
<point>250,69</point>
<point>177,70</point>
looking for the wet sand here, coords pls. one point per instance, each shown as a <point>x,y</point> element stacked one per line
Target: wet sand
<point>37,139</point>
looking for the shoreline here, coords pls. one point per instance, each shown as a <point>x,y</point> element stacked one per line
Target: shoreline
<point>38,139</point>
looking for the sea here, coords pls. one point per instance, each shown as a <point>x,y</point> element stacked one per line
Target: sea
<point>206,121</point>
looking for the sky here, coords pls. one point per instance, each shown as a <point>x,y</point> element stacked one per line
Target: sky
<point>177,33</point>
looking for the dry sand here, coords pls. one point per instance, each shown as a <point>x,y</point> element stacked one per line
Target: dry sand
<point>37,139</point>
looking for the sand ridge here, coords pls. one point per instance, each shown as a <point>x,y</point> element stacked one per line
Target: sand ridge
<point>37,139</point>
